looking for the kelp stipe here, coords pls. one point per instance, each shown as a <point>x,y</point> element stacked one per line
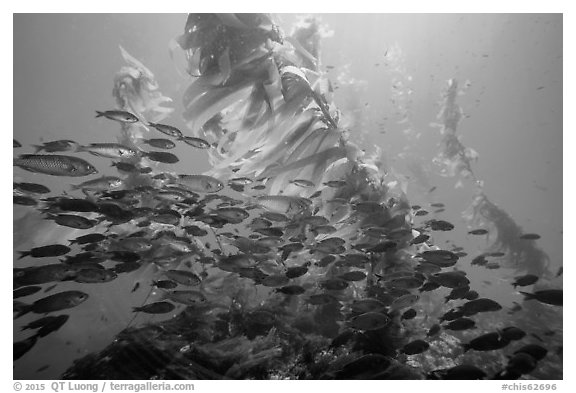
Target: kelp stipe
<point>521,255</point>
<point>259,99</point>
<point>454,158</point>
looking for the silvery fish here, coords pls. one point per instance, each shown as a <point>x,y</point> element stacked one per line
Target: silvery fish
<point>198,143</point>
<point>100,184</point>
<point>166,129</point>
<point>55,165</point>
<point>282,204</point>
<point>232,214</point>
<point>109,150</point>
<point>201,183</point>
<point>240,181</point>
<point>121,116</point>
<point>302,183</point>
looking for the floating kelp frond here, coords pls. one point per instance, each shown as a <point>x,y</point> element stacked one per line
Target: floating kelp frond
<point>305,38</point>
<point>455,158</point>
<point>272,119</point>
<point>504,236</point>
<point>136,90</point>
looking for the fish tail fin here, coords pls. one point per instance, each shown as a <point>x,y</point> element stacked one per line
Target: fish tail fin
<point>23,311</point>
<point>163,294</point>
<point>466,347</point>
<point>50,216</point>
<point>528,296</point>
<point>23,254</point>
<point>99,114</point>
<point>136,309</point>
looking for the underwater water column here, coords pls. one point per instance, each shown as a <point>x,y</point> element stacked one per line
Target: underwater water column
<point>456,159</point>
<point>269,116</point>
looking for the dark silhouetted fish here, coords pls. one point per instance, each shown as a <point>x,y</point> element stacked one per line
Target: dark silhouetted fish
<point>450,279</point>
<point>52,325</point>
<point>415,347</point>
<point>53,250</point>
<point>369,321</point>
<point>553,297</point>
<point>161,156</point>
<point>165,284</point>
<point>479,305</point>
<point>439,225</point>
<point>90,238</point>
<point>25,291</point>
<point>536,351</point>
<point>95,276</point>
<point>487,342</point>
<point>460,324</point>
<point>513,333</point>
<point>160,143</point>
<point>526,280</point>
<point>530,236</point>
<point>20,348</point>
<point>291,290</point>
<point>56,302</point>
<point>32,188</point>
<point>24,200</point>
<point>57,146</point>
<point>442,258</point>
<point>409,314</point>
<point>73,221</point>
<point>155,308</point>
